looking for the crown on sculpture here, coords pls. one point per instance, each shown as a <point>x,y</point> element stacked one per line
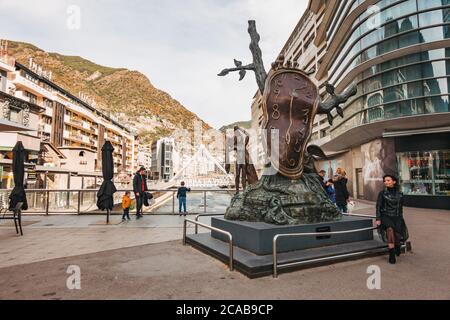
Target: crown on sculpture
<point>282,63</point>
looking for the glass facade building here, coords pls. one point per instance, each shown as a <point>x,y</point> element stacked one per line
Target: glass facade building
<point>397,52</point>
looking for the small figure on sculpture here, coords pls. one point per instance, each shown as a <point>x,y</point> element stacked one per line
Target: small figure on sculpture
<point>245,172</point>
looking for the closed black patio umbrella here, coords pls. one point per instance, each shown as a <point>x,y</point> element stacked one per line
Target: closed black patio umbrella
<point>105,200</point>
<point>18,166</point>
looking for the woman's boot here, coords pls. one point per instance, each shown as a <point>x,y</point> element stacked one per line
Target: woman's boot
<point>392,259</point>
<point>398,250</point>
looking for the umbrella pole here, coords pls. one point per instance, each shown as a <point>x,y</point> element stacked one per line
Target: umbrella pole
<point>107,215</point>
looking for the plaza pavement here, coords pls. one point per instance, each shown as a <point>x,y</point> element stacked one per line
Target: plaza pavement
<point>145,260</point>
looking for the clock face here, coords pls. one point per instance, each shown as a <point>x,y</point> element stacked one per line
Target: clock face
<point>289,108</point>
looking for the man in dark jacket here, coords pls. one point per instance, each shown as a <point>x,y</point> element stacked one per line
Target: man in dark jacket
<point>139,189</point>
<point>342,194</point>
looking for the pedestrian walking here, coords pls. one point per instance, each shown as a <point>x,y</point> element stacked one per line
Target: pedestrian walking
<point>329,188</point>
<point>389,217</point>
<point>340,186</point>
<point>181,196</point>
<point>126,204</point>
<point>139,189</point>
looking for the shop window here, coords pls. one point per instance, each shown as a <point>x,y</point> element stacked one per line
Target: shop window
<point>425,172</point>
<point>441,170</point>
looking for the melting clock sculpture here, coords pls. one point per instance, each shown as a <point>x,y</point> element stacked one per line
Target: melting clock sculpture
<point>291,101</point>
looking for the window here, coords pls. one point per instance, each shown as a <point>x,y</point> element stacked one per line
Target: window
<point>30,78</point>
<point>441,172</point>
<point>2,82</point>
<point>48,103</point>
<point>31,97</point>
<point>14,115</point>
<point>425,172</point>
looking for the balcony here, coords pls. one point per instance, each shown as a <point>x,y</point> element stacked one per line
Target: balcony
<point>7,63</point>
<point>86,125</point>
<point>78,137</point>
<point>76,121</point>
<point>32,87</point>
<point>49,112</point>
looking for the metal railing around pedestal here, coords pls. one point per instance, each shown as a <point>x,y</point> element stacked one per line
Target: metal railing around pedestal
<point>205,215</point>
<point>228,234</point>
<point>276,266</point>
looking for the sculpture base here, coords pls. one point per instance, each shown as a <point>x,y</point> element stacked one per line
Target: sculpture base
<point>254,266</point>
<point>257,237</point>
<point>252,242</point>
<point>281,201</point>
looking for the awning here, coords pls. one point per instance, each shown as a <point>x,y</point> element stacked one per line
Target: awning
<point>390,134</point>
<point>364,133</point>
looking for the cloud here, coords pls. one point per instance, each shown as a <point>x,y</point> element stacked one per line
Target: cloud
<point>180,45</point>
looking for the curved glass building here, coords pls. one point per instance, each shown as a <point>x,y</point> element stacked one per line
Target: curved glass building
<point>398,54</point>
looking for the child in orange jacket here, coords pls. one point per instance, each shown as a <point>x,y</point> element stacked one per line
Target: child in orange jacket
<point>126,203</point>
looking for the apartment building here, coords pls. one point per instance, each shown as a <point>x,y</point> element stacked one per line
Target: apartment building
<point>19,121</point>
<point>59,120</point>
<point>397,52</point>
<point>70,123</point>
<point>162,152</point>
<point>145,157</point>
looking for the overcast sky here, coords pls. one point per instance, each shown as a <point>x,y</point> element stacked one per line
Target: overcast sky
<point>180,45</point>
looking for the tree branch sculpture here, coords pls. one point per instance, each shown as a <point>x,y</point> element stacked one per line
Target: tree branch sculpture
<point>257,66</point>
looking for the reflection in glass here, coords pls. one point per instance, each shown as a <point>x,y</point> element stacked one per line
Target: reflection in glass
<point>425,4</point>
<point>436,104</point>
<point>441,168</point>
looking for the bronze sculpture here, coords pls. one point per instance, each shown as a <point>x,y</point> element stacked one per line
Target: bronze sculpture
<point>290,103</point>
<point>244,170</point>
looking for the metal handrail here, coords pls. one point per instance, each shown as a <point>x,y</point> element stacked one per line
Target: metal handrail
<point>285,235</point>
<point>228,234</point>
<point>359,215</point>
<point>205,215</point>
<point>78,202</point>
<point>120,190</point>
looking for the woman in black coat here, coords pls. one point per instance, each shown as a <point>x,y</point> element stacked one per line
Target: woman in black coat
<point>340,186</point>
<point>389,219</point>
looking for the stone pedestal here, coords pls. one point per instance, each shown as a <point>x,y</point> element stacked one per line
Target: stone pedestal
<point>252,243</point>
<point>257,237</point>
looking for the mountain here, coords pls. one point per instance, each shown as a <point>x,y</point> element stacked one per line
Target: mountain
<point>125,95</point>
<point>242,124</point>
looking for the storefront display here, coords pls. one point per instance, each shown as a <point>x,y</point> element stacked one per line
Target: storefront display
<point>425,172</point>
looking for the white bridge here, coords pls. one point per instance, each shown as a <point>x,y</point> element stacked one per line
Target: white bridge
<point>203,171</point>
